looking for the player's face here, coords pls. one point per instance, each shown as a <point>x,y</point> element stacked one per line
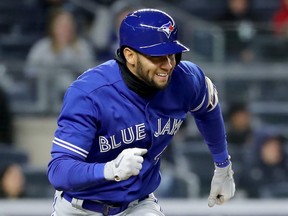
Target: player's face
<point>156,71</point>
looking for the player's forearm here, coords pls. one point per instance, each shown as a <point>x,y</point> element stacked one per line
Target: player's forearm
<point>65,173</point>
<point>211,126</point>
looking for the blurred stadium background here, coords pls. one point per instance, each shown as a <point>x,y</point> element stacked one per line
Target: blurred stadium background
<point>254,74</point>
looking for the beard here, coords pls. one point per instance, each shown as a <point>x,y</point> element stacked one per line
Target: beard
<point>144,76</point>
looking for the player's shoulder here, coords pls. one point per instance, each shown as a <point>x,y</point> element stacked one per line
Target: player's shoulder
<point>105,74</point>
<point>42,44</point>
<point>188,71</point>
<point>189,68</point>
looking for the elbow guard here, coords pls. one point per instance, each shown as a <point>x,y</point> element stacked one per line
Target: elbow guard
<point>212,95</point>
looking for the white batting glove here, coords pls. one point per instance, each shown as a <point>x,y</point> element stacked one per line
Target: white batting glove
<point>222,186</point>
<point>128,163</point>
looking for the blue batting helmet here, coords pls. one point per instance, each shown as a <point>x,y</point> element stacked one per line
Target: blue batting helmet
<point>151,32</point>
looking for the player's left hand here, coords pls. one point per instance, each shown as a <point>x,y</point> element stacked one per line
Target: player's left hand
<point>222,186</point>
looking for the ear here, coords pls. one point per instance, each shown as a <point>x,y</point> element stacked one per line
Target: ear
<point>130,56</point>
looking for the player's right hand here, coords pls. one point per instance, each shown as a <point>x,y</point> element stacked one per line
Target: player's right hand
<point>128,163</point>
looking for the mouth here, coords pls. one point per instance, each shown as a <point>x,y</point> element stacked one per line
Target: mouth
<point>162,74</point>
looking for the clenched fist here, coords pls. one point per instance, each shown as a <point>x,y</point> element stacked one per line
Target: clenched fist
<point>128,163</point>
<point>222,186</point>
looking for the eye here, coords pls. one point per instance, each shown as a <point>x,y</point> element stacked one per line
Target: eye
<point>156,59</point>
<point>159,59</point>
<point>171,57</point>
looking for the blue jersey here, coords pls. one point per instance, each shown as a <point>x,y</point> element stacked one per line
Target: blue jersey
<point>101,116</point>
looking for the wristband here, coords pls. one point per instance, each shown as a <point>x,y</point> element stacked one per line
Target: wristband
<point>223,163</point>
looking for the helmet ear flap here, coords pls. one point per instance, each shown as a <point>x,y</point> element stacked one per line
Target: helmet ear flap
<point>178,57</point>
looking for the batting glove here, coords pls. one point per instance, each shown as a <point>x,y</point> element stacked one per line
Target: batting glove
<point>128,163</point>
<point>222,186</point>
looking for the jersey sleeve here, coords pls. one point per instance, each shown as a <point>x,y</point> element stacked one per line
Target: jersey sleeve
<point>208,116</point>
<point>211,126</point>
<point>72,142</point>
<point>76,124</point>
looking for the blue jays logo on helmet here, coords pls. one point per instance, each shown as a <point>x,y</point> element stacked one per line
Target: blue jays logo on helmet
<point>151,32</point>
<point>167,28</point>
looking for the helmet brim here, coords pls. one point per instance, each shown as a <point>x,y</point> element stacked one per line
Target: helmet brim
<point>163,49</point>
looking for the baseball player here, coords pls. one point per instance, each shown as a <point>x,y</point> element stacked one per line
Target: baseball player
<point>118,118</point>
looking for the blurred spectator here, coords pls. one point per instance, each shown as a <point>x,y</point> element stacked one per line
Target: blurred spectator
<point>268,167</point>
<point>63,48</point>
<point>104,29</point>
<point>280,20</point>
<point>238,23</point>
<point>239,126</point>
<point>278,41</point>
<point>12,181</point>
<point>119,10</point>
<point>82,15</point>
<point>46,6</point>
<point>61,57</point>
<point>6,120</point>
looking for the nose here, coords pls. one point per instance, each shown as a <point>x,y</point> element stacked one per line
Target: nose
<point>167,63</point>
